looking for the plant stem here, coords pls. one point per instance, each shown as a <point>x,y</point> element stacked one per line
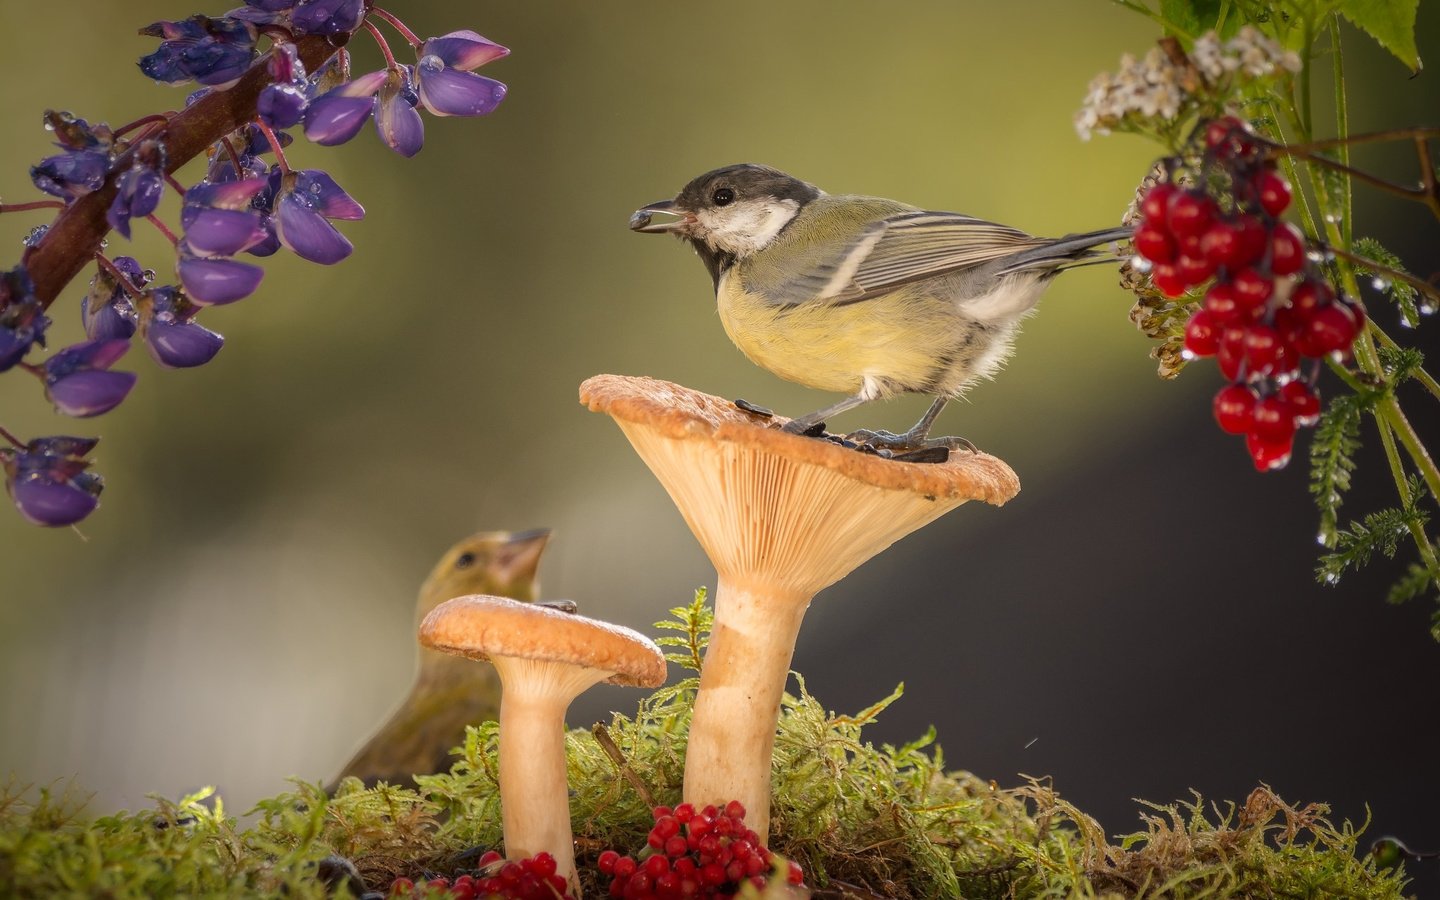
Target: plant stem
<point>1424,287</point>
<point>275,146</point>
<point>160,227</point>
<point>1342,129</point>
<point>79,229</point>
<point>114,272</point>
<point>143,120</point>
<point>19,445</point>
<point>398,26</point>
<point>33,204</point>
<point>384,44</point>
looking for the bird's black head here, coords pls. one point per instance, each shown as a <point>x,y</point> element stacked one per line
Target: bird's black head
<point>729,213</point>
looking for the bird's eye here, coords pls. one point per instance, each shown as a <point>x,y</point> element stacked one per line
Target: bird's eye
<point>466,560</point>
<point>723,196</point>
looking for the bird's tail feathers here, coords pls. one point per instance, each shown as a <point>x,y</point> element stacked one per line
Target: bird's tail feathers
<point>1069,251</point>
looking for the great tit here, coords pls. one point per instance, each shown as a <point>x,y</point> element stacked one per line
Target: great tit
<point>863,295</point>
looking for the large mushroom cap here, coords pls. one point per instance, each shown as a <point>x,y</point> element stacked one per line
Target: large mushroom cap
<point>679,412</point>
<point>481,626</point>
<point>798,512</point>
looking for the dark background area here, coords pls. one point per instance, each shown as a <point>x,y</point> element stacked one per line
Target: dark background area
<point>1140,621</point>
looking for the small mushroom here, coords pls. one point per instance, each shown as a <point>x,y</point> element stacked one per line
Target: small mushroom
<point>781,516</point>
<point>545,657</point>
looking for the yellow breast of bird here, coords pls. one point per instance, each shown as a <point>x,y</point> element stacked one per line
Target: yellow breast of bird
<point>896,342</point>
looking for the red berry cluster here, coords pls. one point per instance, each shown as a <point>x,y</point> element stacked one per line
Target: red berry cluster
<point>1268,307</point>
<point>532,878</point>
<point>709,853</point>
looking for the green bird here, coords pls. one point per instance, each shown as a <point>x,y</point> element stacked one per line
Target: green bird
<point>450,692</point>
<point>862,295</point>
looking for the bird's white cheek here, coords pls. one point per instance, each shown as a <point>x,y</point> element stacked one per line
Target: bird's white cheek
<point>747,228</point>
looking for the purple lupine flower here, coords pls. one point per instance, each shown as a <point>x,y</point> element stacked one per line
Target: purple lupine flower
<point>138,189</point>
<point>396,121</point>
<point>71,174</point>
<point>338,115</point>
<point>106,310</point>
<point>281,103</point>
<point>304,203</point>
<point>214,52</point>
<point>22,317</point>
<point>47,480</point>
<point>444,80</point>
<point>78,380</point>
<point>216,281</point>
<point>172,336</point>
<point>218,217</point>
<point>304,16</point>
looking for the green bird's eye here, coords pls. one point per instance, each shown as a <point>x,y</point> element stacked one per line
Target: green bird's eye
<point>723,196</point>
<point>466,560</point>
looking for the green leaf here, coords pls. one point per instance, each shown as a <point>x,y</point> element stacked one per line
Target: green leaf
<point>1191,17</point>
<point>1416,581</point>
<point>1332,452</point>
<point>1390,22</point>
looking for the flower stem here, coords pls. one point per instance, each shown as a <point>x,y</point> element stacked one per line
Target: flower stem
<point>143,120</point>
<point>274,140</point>
<point>120,277</point>
<point>11,438</point>
<point>384,45</point>
<point>1424,287</point>
<point>160,226</point>
<point>230,151</point>
<point>175,186</point>
<point>33,204</point>
<point>398,26</point>
<point>79,229</point>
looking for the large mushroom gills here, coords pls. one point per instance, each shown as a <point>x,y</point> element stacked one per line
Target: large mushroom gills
<point>781,516</point>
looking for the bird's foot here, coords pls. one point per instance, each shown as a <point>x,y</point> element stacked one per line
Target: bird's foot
<point>754,409</point>
<point>912,446</point>
<point>804,428</point>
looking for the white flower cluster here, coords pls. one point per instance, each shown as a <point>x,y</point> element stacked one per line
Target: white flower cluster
<point>1158,86</point>
<point>1248,52</point>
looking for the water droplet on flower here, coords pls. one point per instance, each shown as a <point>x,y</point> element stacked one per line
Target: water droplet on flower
<point>147,276</point>
<point>35,236</point>
<point>1331,578</point>
<point>1407,320</point>
<point>1380,284</point>
<point>104,242</point>
<point>1427,308</point>
<point>1332,218</point>
<point>430,63</point>
<point>1320,539</point>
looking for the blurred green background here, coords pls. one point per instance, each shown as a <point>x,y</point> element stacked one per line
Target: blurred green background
<point>1138,622</point>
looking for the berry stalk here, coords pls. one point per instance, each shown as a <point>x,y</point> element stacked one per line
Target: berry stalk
<point>78,231</point>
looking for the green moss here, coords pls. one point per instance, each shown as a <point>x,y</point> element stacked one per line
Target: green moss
<point>864,821</point>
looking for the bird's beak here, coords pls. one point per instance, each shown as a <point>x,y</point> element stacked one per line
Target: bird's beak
<point>520,556</point>
<point>642,219</point>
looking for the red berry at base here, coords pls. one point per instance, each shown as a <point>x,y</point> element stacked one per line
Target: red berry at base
<point>1167,280</point>
<point>1154,244</point>
<point>1287,250</point>
<point>1274,422</point>
<point>606,862</point>
<point>1273,191</point>
<point>1194,269</point>
<point>1308,296</point>
<point>1303,402</point>
<point>1263,349</point>
<point>1202,337</point>
<point>1189,213</point>
<point>1221,305</point>
<point>1156,201</point>
<point>1268,455</point>
<point>1234,409</point>
<point>625,867</point>
<point>1231,353</point>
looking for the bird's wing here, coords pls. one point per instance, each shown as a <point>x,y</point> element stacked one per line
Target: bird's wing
<point>901,249</point>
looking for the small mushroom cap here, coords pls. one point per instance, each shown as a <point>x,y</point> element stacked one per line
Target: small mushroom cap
<point>480,626</point>
<point>679,412</point>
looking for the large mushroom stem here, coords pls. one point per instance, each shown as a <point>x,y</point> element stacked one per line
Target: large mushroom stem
<point>781,517</point>
<point>534,781</point>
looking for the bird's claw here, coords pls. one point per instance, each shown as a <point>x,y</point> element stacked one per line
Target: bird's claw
<point>910,446</point>
<point>803,428</point>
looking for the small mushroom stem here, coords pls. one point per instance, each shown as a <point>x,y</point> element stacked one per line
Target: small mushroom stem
<point>534,783</point>
<point>732,732</point>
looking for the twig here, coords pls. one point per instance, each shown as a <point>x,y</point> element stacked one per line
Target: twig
<point>1418,284</point>
<point>622,765</point>
<point>33,204</point>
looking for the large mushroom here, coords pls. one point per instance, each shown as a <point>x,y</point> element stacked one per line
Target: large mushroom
<point>545,657</point>
<point>781,517</point>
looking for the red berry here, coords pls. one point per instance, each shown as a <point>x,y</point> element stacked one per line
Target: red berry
<point>606,862</point>
<point>1268,455</point>
<point>1331,329</point>
<point>659,811</point>
<point>1251,288</point>
<point>712,874</point>
<point>1273,191</point>
<point>1167,280</point>
<point>1234,409</point>
<point>625,867</point>
<point>639,884</point>
<point>1202,337</point>
<point>735,871</point>
<point>667,885</point>
<point>1274,422</point>
<point>1303,402</point>
<point>1231,352</point>
<point>793,873</point>
<point>1189,212</point>
<point>1229,138</point>
<point>402,887</point>
<point>1220,304</point>
<point>685,867</point>
<point>542,865</point>
<point>1287,249</point>
<point>510,873</point>
<point>684,812</point>
<point>437,884</point>
<point>1194,269</point>
<point>1156,200</point>
<point>735,809</point>
<point>1308,296</point>
<point>657,865</point>
<point>676,846</point>
<point>1263,349</point>
<point>1153,243</point>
